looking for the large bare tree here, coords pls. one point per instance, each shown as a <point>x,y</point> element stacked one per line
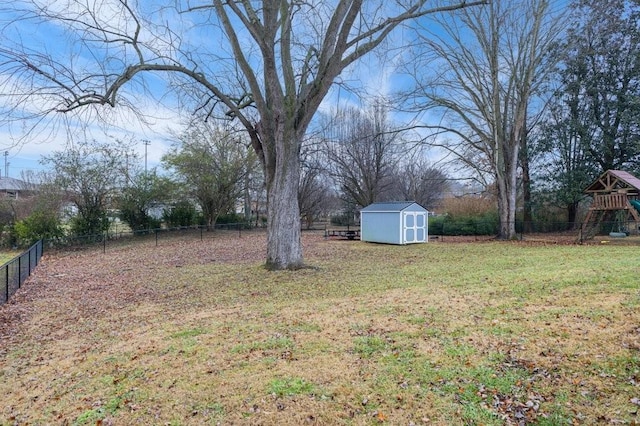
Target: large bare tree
<point>268,63</point>
<point>362,153</point>
<point>418,180</point>
<point>492,62</point>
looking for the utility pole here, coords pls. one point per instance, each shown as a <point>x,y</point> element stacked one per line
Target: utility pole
<point>6,164</point>
<point>146,144</point>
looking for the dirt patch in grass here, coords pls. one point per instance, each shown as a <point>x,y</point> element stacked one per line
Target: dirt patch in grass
<point>198,332</point>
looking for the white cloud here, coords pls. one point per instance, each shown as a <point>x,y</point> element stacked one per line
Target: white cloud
<point>28,139</point>
<point>374,75</point>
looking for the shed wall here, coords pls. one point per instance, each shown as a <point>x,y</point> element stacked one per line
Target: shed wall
<point>380,227</point>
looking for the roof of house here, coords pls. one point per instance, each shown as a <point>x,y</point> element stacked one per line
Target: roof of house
<point>392,206</point>
<point>12,184</point>
<point>614,179</point>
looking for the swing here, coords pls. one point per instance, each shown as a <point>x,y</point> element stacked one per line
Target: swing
<point>621,226</point>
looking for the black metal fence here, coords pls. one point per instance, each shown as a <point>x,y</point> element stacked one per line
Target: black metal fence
<point>568,230</point>
<point>438,227</point>
<point>17,270</point>
<point>156,234</point>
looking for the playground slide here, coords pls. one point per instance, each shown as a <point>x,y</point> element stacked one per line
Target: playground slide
<point>636,204</point>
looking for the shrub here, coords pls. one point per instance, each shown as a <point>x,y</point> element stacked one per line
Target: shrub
<point>343,219</point>
<point>39,225</point>
<point>469,206</point>
<point>137,219</point>
<point>183,213</point>
<point>90,224</point>
<point>469,215</point>
<point>230,218</point>
<point>485,224</point>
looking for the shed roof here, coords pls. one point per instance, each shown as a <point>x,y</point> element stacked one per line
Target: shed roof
<point>392,206</point>
<point>614,179</point>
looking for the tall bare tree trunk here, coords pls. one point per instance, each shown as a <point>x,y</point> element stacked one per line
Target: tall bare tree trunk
<point>493,60</point>
<point>506,181</point>
<point>512,183</point>
<point>527,219</point>
<point>284,247</point>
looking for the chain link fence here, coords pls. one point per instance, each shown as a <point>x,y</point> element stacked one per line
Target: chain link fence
<point>17,270</point>
<point>155,235</point>
<point>564,231</point>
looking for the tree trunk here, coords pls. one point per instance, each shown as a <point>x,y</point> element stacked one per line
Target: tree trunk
<point>282,173</point>
<point>247,198</point>
<point>512,189</point>
<point>512,194</point>
<point>527,225</point>
<point>572,213</point>
<point>503,210</point>
<point>506,212</point>
<point>507,191</point>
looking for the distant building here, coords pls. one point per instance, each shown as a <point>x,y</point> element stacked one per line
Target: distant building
<point>15,188</point>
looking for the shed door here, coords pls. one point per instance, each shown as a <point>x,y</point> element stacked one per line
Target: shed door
<point>415,227</point>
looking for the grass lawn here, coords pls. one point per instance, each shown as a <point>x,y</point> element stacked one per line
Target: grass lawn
<point>6,256</point>
<point>191,333</point>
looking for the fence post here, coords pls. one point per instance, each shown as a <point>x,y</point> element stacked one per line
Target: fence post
<point>200,232</point>
<point>156,238</point>
<point>239,230</point>
<point>104,243</point>
<point>30,249</point>
<point>521,230</point>
<point>19,271</point>
<point>6,270</point>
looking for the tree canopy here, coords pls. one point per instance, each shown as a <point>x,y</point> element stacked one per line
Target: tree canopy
<point>492,62</point>
<point>211,163</point>
<point>593,120</point>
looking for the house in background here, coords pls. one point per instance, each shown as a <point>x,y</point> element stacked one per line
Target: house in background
<point>401,222</point>
<point>15,188</point>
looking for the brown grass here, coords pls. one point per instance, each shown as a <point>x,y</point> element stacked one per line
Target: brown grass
<point>194,332</point>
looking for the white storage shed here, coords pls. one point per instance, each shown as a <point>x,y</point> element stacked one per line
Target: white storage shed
<point>398,222</point>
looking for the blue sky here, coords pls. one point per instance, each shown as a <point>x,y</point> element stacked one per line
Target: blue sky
<point>376,74</point>
<point>370,74</point>
<point>52,134</point>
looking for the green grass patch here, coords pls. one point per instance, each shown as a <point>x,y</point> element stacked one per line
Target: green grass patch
<point>291,386</point>
<point>367,346</point>
<point>192,332</point>
<point>273,343</point>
